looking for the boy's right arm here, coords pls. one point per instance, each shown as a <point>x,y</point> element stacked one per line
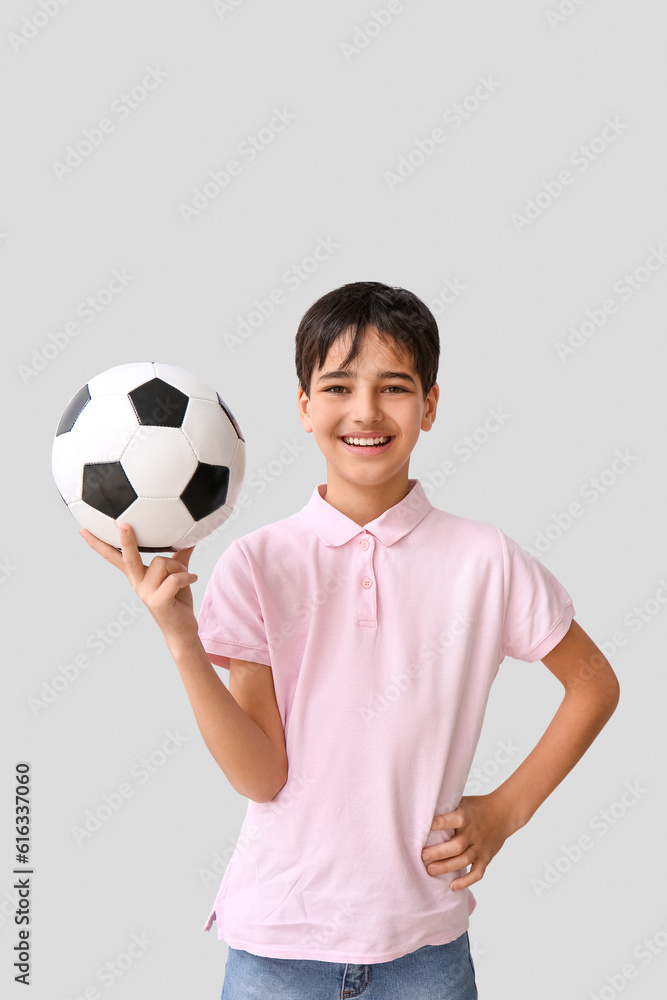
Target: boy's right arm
<point>244,736</point>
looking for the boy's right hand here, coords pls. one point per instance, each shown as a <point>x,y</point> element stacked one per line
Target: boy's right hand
<point>163,586</point>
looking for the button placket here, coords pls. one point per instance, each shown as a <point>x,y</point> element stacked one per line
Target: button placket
<point>367,600</point>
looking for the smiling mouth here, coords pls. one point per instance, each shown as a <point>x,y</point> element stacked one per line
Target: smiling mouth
<point>383,442</point>
<point>366,442</point>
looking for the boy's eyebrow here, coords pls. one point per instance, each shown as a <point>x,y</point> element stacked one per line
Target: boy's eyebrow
<point>344,373</point>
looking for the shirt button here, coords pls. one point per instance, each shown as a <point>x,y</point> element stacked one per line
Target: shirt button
<point>364,544</point>
<point>367,583</point>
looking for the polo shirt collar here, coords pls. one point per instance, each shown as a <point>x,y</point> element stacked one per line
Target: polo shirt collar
<point>336,528</point>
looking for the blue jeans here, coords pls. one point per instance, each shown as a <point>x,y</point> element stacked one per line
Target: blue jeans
<point>434,972</point>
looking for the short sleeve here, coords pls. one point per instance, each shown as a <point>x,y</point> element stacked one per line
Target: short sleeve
<point>538,610</point>
<point>230,621</point>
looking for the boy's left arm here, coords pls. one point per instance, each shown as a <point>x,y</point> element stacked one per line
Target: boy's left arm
<point>482,823</point>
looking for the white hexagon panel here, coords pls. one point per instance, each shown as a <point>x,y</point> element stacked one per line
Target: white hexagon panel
<point>151,445</point>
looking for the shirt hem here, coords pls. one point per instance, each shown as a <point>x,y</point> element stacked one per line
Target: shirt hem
<point>358,958</point>
<point>321,955</point>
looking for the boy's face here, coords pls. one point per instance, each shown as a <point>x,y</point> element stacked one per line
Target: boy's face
<point>362,402</point>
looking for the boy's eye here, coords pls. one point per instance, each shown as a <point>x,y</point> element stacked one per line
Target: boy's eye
<point>330,388</point>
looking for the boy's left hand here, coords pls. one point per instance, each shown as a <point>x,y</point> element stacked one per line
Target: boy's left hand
<point>482,826</point>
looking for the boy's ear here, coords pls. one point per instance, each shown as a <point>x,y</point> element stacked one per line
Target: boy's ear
<point>303,404</point>
<point>429,417</point>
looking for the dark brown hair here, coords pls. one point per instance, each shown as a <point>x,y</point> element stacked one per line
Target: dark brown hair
<point>396,314</point>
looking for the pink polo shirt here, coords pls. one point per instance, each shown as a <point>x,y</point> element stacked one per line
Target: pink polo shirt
<point>384,642</point>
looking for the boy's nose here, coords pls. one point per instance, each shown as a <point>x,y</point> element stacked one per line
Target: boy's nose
<point>366,409</point>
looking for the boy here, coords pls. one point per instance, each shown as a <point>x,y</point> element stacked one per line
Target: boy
<point>362,635</point>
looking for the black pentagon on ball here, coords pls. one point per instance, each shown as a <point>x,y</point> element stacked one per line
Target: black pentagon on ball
<point>207,490</point>
<point>231,417</point>
<point>159,404</point>
<point>72,410</point>
<point>107,488</point>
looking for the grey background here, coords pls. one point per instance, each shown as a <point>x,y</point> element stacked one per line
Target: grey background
<point>154,867</point>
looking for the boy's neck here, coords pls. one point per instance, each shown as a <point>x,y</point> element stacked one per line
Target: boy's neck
<point>361,503</point>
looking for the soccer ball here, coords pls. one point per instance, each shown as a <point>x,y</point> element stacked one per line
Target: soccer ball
<point>151,445</point>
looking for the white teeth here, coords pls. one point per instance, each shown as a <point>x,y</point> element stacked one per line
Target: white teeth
<point>366,441</point>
